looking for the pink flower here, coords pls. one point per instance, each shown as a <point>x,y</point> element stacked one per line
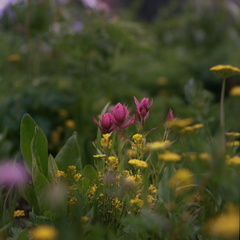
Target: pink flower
<point>106,123</point>
<point>143,108</point>
<point>12,174</point>
<point>120,116</point>
<point>170,115</point>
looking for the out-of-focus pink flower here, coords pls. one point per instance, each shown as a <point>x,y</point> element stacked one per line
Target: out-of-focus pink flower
<point>96,5</point>
<point>142,108</point>
<point>106,123</point>
<point>170,115</point>
<point>12,174</point>
<point>120,116</point>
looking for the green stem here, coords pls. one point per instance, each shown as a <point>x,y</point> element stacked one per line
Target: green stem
<point>222,119</point>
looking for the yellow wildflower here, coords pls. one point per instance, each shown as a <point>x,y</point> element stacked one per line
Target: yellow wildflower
<point>63,113</point>
<point>191,155</point>
<point>130,182</point>
<point>61,174</point>
<point>225,71</point>
<point>158,145</point>
<point>179,123</point>
<point>18,213</point>
<point>77,177</point>
<point>138,163</point>
<point>137,138</point>
<point>169,157</point>
<point>44,232</point>
<point>131,152</point>
<point>235,91</point>
<point>233,144</point>
<point>70,123</point>
<point>55,136</point>
<point>14,58</point>
<point>233,160</point>
<point>150,198</point>
<point>136,203</point>
<point>105,141</point>
<point>225,225</point>
<point>99,155</point>
<point>117,204</point>
<point>181,178</point>
<point>152,189</point>
<point>92,191</point>
<point>72,201</point>
<point>162,81</point>
<point>72,169</point>
<point>233,134</point>
<point>191,128</point>
<point>112,163</point>
<point>72,188</point>
<point>204,156</point>
<point>85,219</point>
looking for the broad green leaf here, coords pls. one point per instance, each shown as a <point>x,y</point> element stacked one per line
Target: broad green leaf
<point>89,172</point>
<point>29,130</point>
<point>69,154</point>
<point>52,167</point>
<point>28,193</point>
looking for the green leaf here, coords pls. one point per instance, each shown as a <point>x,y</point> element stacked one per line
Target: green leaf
<point>69,154</point>
<point>89,172</point>
<point>33,142</point>
<point>52,167</point>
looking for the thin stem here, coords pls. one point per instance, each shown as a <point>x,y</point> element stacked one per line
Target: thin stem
<point>222,118</point>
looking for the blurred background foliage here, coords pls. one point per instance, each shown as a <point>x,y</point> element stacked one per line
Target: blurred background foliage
<point>63,61</point>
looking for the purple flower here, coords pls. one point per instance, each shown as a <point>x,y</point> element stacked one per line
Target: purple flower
<point>143,108</point>
<point>12,174</point>
<point>77,26</point>
<point>106,124</point>
<point>120,116</point>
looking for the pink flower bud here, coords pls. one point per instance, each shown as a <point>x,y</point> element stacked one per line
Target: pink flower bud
<point>170,115</point>
<point>143,108</point>
<point>120,116</point>
<point>106,124</point>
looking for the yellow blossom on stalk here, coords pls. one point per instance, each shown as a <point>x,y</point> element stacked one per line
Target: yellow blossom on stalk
<point>225,71</point>
<point>162,81</point>
<point>191,128</point>
<point>169,157</point>
<point>226,225</point>
<point>233,144</point>
<point>235,92</point>
<point>72,169</point>
<point>105,141</point>
<point>14,58</point>
<point>44,232</point>
<point>61,174</point>
<point>70,123</point>
<point>130,182</point>
<point>92,191</point>
<point>85,219</point>
<point>18,213</point>
<point>112,163</point>
<point>138,178</point>
<point>136,203</point>
<point>138,163</point>
<point>179,123</point>
<point>72,201</point>
<point>99,155</point>
<point>233,134</point>
<point>234,160</point>
<point>131,152</point>
<point>137,138</point>
<point>77,177</point>
<point>181,178</point>
<point>117,204</point>
<point>158,145</point>
<point>191,155</point>
<point>152,189</point>
<point>205,156</point>
<point>72,188</point>
<point>150,198</point>
<point>63,113</point>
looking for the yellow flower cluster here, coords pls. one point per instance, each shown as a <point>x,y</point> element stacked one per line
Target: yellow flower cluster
<point>117,204</point>
<point>72,201</point>
<point>61,174</point>
<point>169,157</point>
<point>44,232</point>
<point>191,128</point>
<point>72,169</point>
<point>235,92</point>
<point>202,156</point>
<point>136,203</point>
<point>14,58</point>
<point>138,163</point>
<point>233,144</point>
<point>18,213</point>
<point>158,145</point>
<point>233,160</point>
<point>99,155</point>
<point>233,134</point>
<point>111,163</point>
<point>225,71</point>
<point>92,191</point>
<point>77,177</point>
<point>152,189</point>
<point>106,142</point>
<point>179,123</point>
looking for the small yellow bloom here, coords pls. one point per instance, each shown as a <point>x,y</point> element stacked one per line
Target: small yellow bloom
<point>162,81</point>
<point>70,123</point>
<point>18,213</point>
<point>137,138</point>
<point>233,144</point>
<point>85,219</point>
<point>72,169</point>
<point>137,202</point>
<point>191,155</point>
<point>152,189</point>
<point>191,128</point>
<point>63,113</point>
<point>179,123</point>
<point>131,152</point>
<point>158,145</point>
<point>205,156</point>
<point>150,198</point>
<point>138,163</point>
<point>99,155</point>
<point>235,92</point>
<point>225,225</point>
<point>77,177</point>
<point>61,174</point>
<point>181,178</point>
<point>44,232</point>
<point>225,71</point>
<point>72,201</point>
<point>234,160</point>
<point>105,141</point>
<point>233,134</point>
<point>14,58</point>
<point>169,157</point>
